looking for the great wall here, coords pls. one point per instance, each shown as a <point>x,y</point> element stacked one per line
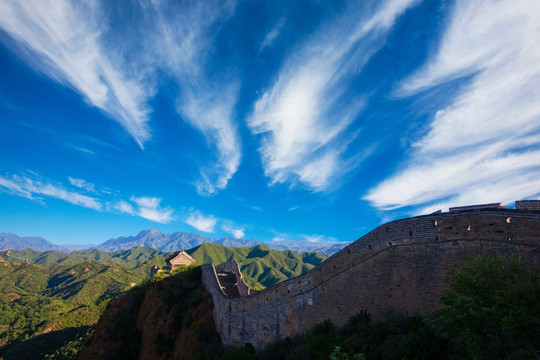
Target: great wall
<point>398,265</point>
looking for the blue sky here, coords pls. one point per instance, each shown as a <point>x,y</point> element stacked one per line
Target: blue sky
<point>298,120</point>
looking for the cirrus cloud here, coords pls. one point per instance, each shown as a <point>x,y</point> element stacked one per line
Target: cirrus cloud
<point>483,146</point>
<point>117,67</point>
<point>83,184</point>
<point>303,117</point>
<point>34,187</point>
<point>62,39</point>
<point>182,42</point>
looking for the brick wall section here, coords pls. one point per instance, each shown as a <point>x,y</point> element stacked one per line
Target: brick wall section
<point>232,266</point>
<point>397,265</point>
<point>528,205</point>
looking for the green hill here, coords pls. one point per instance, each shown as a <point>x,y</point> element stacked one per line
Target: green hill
<point>128,259</point>
<point>261,266</point>
<point>56,302</point>
<point>90,282</point>
<point>50,300</point>
<point>489,311</point>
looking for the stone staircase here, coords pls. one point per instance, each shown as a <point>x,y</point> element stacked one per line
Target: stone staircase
<point>227,282</point>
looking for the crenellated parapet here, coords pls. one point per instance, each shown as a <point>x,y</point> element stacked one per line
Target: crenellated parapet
<point>398,265</point>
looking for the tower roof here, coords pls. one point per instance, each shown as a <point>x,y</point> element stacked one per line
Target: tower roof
<point>177,255</point>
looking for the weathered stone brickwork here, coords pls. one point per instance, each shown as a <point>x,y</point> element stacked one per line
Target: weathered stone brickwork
<point>528,205</point>
<point>398,265</point>
<point>232,266</point>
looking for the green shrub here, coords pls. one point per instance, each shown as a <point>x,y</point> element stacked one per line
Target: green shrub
<point>492,309</point>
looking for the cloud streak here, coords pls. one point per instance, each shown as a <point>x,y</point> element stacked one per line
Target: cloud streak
<point>82,184</point>
<point>272,35</point>
<point>149,208</point>
<point>483,146</point>
<point>303,117</point>
<point>183,41</point>
<point>305,239</point>
<point>34,188</point>
<point>116,67</point>
<point>212,114</point>
<point>202,222</point>
<point>210,224</point>
<point>62,40</point>
<point>37,188</point>
<point>237,231</point>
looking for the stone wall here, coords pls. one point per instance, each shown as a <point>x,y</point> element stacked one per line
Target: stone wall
<point>232,266</point>
<point>528,205</point>
<point>398,265</point>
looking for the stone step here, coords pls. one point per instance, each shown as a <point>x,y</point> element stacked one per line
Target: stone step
<point>227,282</point>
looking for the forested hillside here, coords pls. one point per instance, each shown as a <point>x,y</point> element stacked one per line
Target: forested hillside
<point>261,266</point>
<point>130,259</point>
<point>50,301</point>
<point>490,311</point>
<point>44,306</point>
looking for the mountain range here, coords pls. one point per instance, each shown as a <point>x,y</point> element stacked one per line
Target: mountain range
<point>166,243</point>
<point>15,242</point>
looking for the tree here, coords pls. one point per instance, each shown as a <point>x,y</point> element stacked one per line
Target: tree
<point>492,309</point>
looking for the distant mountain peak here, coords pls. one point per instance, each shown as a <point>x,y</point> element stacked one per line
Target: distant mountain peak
<point>150,231</point>
<point>184,241</point>
<point>16,242</point>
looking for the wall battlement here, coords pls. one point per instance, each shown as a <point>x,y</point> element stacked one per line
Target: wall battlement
<point>399,265</point>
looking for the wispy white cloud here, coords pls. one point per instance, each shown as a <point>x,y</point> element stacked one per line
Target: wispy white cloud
<point>123,207</point>
<point>257,208</point>
<point>81,149</point>
<point>299,238</point>
<point>199,221</point>
<point>237,231</point>
<point>273,34</point>
<point>146,207</point>
<point>33,187</point>
<point>304,115</point>
<point>483,147</point>
<point>82,184</point>
<point>116,68</point>
<point>320,238</point>
<point>181,37</point>
<point>209,223</point>
<point>212,114</point>
<point>62,39</point>
<point>182,42</point>
<point>149,208</point>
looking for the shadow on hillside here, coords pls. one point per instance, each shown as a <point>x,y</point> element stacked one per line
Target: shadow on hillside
<point>258,252</point>
<point>39,346</point>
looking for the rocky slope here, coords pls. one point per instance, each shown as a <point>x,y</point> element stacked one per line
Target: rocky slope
<point>169,242</point>
<point>165,319</point>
